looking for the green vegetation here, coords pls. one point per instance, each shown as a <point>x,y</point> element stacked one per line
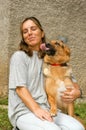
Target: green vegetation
<point>4,121</point>
<point>80,111</point>
<point>3,101</point>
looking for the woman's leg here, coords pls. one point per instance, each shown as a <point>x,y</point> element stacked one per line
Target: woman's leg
<point>31,122</point>
<point>67,122</point>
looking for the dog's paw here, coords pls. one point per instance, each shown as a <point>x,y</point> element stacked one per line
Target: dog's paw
<point>46,71</point>
<point>53,114</point>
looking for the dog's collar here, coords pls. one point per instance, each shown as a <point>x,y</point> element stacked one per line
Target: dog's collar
<point>55,64</point>
<point>64,64</point>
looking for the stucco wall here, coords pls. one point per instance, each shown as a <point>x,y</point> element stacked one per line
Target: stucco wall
<point>4,35</point>
<point>58,17</point>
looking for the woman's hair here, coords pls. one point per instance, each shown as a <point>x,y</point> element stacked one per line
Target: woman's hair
<point>23,46</point>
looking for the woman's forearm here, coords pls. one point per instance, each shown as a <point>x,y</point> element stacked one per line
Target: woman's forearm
<point>26,97</point>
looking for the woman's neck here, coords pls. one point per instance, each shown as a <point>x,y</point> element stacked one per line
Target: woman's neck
<point>35,48</point>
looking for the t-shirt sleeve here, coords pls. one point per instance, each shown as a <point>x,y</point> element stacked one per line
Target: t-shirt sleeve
<point>18,70</point>
<point>73,78</point>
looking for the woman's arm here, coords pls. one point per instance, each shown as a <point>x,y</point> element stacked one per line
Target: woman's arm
<point>26,97</point>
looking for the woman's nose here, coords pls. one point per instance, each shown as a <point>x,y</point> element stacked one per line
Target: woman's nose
<point>29,31</point>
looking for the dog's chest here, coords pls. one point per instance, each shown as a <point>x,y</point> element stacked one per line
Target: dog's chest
<point>60,88</point>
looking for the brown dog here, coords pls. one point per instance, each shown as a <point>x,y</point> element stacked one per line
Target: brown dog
<point>58,75</point>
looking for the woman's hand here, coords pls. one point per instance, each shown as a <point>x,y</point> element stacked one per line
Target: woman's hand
<point>43,114</point>
<point>70,95</point>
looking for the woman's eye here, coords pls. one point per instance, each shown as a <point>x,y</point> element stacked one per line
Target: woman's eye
<point>33,28</point>
<point>25,31</point>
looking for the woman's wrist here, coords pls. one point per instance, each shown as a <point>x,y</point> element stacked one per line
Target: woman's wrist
<point>79,90</point>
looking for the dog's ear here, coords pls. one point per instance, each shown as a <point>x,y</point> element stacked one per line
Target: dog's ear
<point>67,50</point>
<point>53,41</point>
<point>41,54</point>
<point>65,47</point>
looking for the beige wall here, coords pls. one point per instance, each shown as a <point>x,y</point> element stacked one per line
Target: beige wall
<point>58,17</point>
<point>4,35</point>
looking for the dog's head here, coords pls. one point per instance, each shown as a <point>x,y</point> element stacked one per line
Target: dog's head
<point>56,52</point>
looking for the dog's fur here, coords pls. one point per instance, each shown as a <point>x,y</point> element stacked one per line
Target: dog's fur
<point>58,75</point>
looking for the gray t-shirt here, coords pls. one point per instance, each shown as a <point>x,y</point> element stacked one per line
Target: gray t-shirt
<point>25,71</point>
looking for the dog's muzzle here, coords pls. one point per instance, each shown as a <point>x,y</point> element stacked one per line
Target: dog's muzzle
<point>51,50</point>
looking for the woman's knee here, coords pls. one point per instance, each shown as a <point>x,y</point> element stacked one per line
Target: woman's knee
<point>68,123</point>
<point>51,126</point>
<point>39,127</point>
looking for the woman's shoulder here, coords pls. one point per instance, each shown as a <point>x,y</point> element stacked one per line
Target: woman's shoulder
<point>19,55</point>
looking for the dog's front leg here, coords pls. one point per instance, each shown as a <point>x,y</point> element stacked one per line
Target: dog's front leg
<point>53,105</point>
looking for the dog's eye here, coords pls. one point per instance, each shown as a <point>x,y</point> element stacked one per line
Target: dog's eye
<point>63,46</point>
<point>57,44</point>
<point>48,45</point>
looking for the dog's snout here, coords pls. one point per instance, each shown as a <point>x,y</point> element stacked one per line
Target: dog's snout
<point>48,45</point>
<point>51,50</point>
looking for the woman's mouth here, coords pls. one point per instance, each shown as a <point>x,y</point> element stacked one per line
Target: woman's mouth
<point>31,38</point>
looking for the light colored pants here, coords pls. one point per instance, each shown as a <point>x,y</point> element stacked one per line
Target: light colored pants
<point>61,122</point>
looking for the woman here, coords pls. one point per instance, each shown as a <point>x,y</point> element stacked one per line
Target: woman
<point>28,106</point>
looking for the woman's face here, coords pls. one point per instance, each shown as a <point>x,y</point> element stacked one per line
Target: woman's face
<point>32,34</point>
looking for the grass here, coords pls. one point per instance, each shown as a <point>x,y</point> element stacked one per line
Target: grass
<point>3,101</point>
<point>80,111</point>
<point>4,121</point>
